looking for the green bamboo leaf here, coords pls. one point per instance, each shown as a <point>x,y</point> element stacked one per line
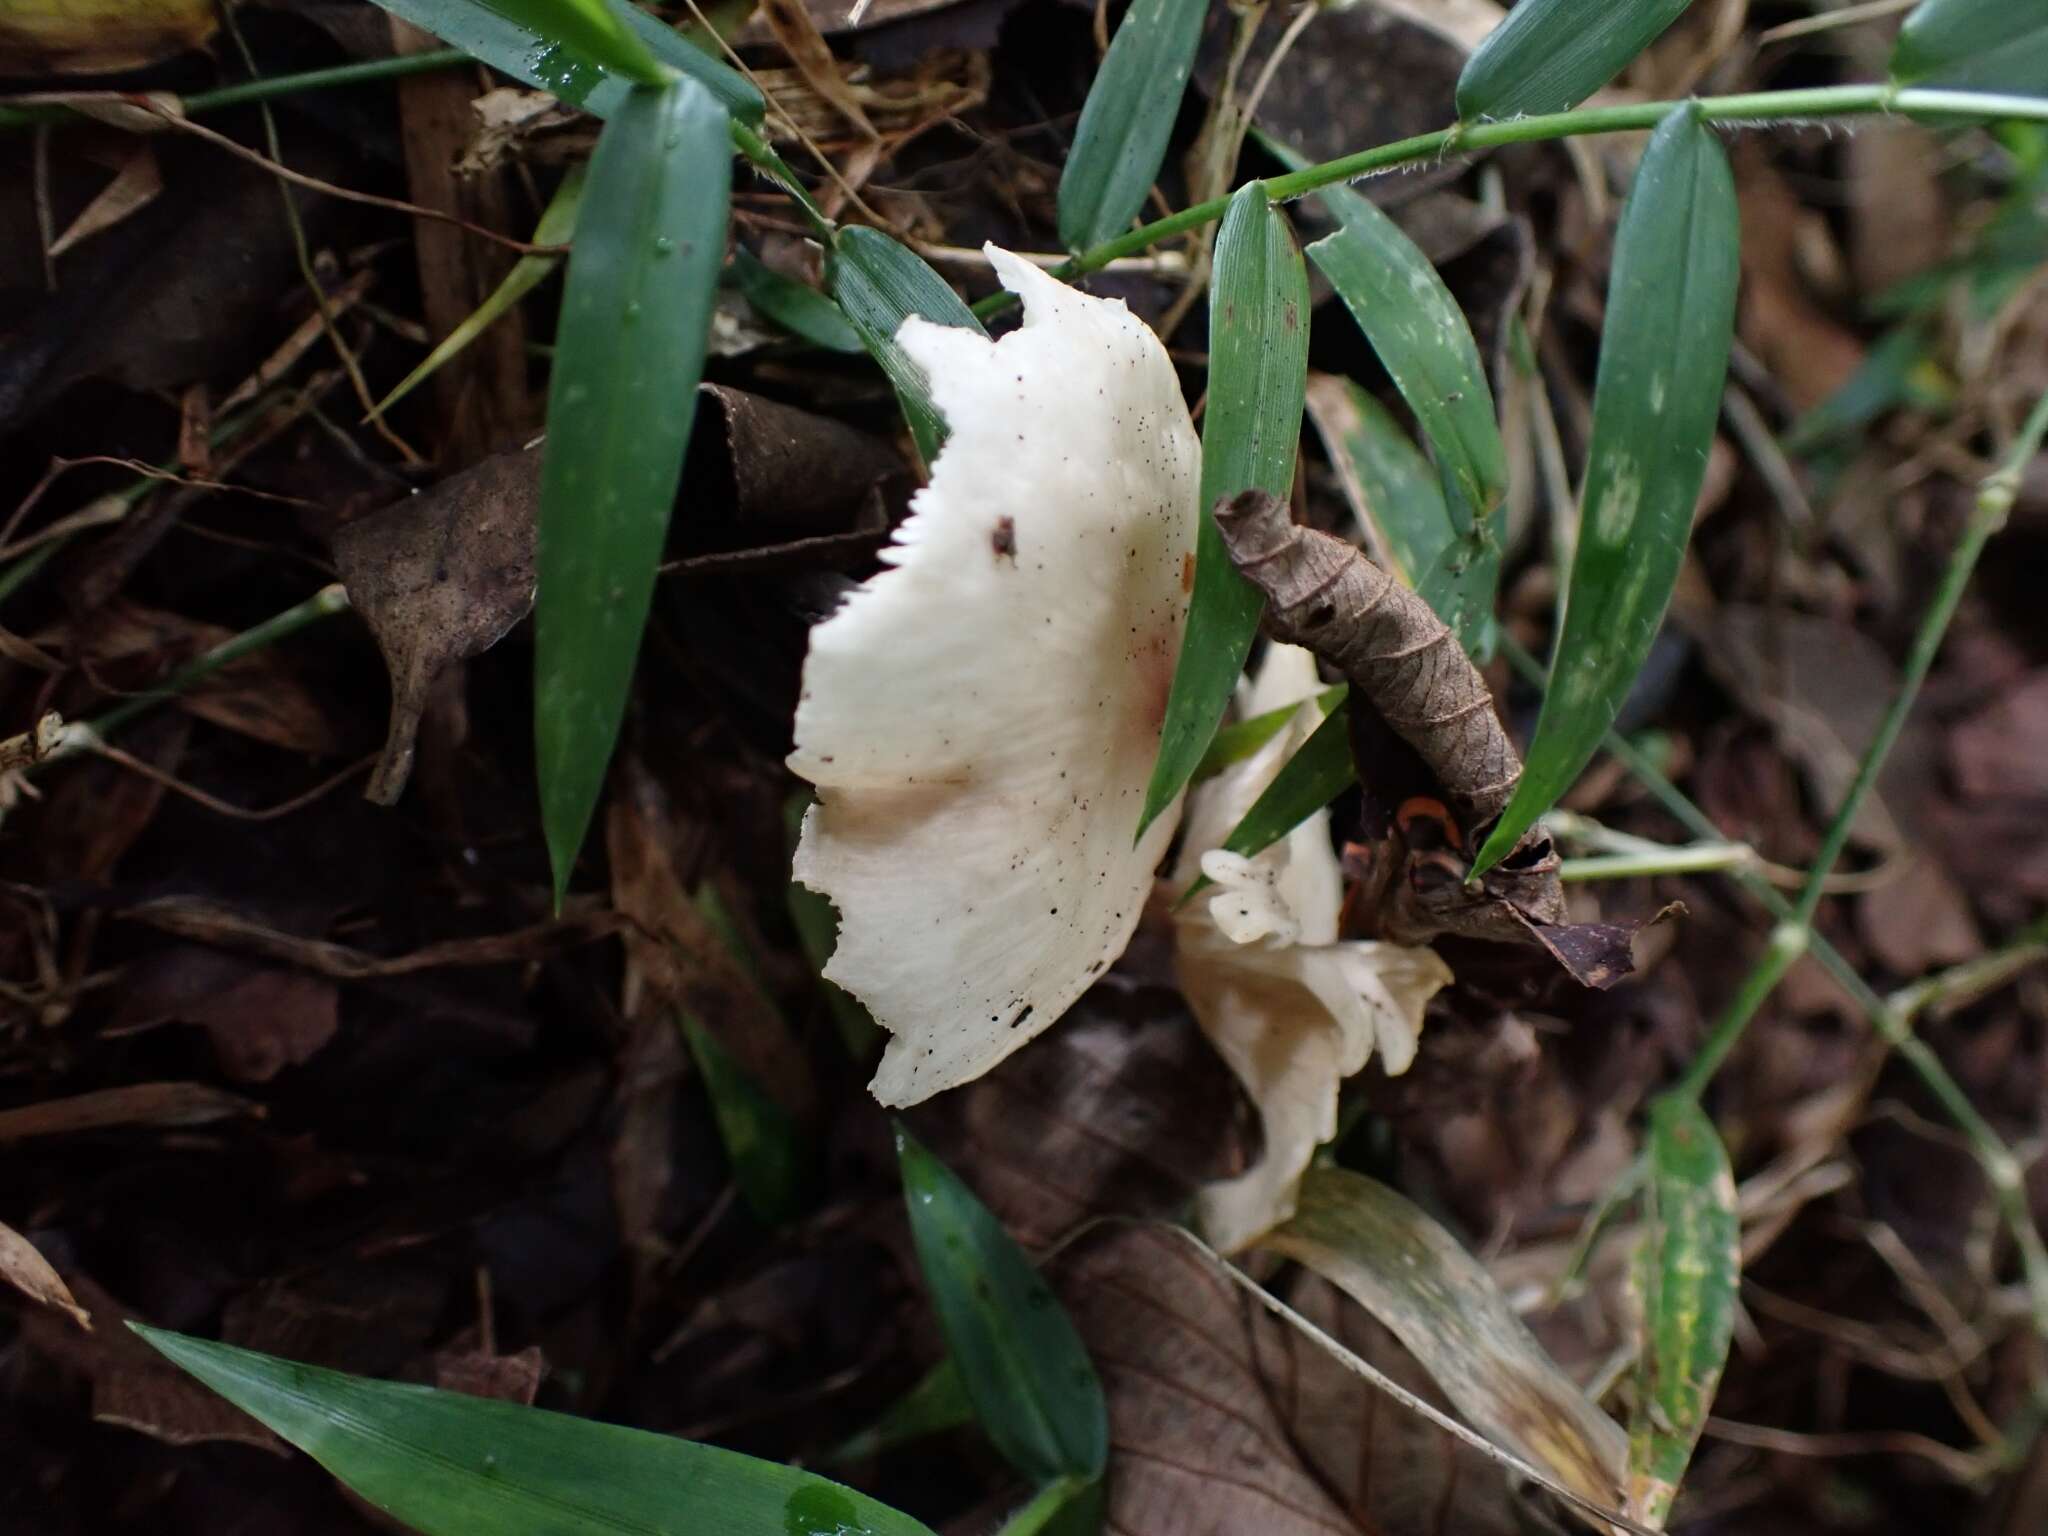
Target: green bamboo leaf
<point>1663,361</point>
<point>1977,45</point>
<point>557,227</point>
<point>879,284</point>
<point>1422,338</point>
<point>628,356</point>
<point>937,1403</point>
<point>1394,1260</point>
<point>768,1152</point>
<point>1235,743</point>
<point>1550,55</point>
<point>1687,1270</point>
<point>1386,479</point>
<point>797,307</point>
<point>1127,119</point>
<point>592,28</point>
<point>1025,1367</point>
<point>541,56</point>
<point>1318,773</point>
<point>1258,368</point>
<point>448,1464</point>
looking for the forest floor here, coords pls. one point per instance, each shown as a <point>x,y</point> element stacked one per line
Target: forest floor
<point>332,1080</point>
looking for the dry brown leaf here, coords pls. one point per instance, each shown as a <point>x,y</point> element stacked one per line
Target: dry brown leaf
<point>153,1104</point>
<point>2002,750</point>
<point>792,25</point>
<point>438,578</point>
<point>134,1386</point>
<point>675,959</point>
<point>1809,354</point>
<point>480,1373</point>
<point>1918,920</point>
<point>1823,686</point>
<point>22,1267</point>
<point>1223,1423</point>
<point>134,187</point>
<point>1122,1109</point>
<point>261,1019</point>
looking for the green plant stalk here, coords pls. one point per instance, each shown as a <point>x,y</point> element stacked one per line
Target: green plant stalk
<point>1994,502</point>
<point>269,88</point>
<point>1893,1020</point>
<point>1702,858</point>
<point>325,603</point>
<point>1747,107</point>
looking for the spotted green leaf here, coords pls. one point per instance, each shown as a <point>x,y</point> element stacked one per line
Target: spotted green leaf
<point>1026,1370</point>
<point>879,284</point>
<point>1258,369</point>
<point>448,1464</point>
<point>1663,361</point>
<point>629,352</point>
<point>1687,1271</point>
<point>1550,55</point>
<point>1127,119</point>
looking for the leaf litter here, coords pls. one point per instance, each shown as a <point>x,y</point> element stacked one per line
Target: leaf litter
<point>336,1083</point>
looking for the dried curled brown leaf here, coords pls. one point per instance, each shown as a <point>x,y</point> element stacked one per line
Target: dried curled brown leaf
<point>1326,595</point>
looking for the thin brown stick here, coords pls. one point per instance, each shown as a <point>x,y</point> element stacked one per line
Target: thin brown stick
<point>221,807</point>
<point>346,194</point>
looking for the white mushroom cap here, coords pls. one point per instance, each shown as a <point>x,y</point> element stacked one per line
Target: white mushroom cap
<point>1289,1007</point>
<point>981,720</point>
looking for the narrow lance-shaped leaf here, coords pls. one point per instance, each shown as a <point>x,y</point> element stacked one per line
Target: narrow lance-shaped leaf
<point>543,57</point>
<point>1550,55</point>
<point>1423,339</point>
<point>447,1464</point>
<point>1413,1276</point>
<point>1258,368</point>
<point>767,1150</point>
<point>557,227</point>
<point>796,307</point>
<point>592,28</point>
<point>1386,479</point>
<point>1318,773</point>
<point>1235,743</point>
<point>1663,361</point>
<point>1025,1367</point>
<point>937,1403</point>
<point>1127,119</point>
<point>1978,45</point>
<point>628,356</point>
<point>1687,1271</point>
<point>880,283</point>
